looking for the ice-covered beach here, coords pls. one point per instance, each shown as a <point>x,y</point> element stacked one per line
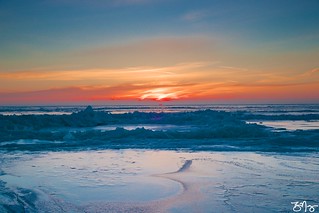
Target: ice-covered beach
<point>221,159</point>
<point>157,181</point>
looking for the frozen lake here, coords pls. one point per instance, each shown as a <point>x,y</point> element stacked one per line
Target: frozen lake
<point>244,158</point>
<point>165,181</point>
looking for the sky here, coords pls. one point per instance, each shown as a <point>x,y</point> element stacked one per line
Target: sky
<point>142,51</point>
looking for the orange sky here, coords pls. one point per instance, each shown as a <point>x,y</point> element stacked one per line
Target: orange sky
<point>101,52</point>
<point>196,81</point>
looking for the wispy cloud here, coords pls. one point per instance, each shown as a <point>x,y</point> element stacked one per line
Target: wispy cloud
<point>94,74</point>
<point>97,93</point>
<point>311,72</point>
<point>41,80</point>
<point>159,51</point>
<point>233,68</point>
<point>100,3</point>
<point>192,81</point>
<point>195,15</point>
<point>129,2</point>
<point>307,77</point>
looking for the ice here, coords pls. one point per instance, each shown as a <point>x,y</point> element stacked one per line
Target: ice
<point>290,125</point>
<point>154,127</point>
<point>195,130</point>
<point>160,181</point>
<point>112,176</point>
<point>259,109</point>
<point>205,158</point>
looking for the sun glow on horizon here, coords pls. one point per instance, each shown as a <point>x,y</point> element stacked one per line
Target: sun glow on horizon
<point>193,81</point>
<point>159,94</point>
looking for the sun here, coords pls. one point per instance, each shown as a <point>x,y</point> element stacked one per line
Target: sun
<point>159,94</point>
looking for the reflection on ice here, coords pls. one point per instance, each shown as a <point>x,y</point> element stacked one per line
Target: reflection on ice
<point>153,127</point>
<point>112,176</point>
<point>289,125</point>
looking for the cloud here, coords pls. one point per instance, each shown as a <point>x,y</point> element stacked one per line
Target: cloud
<point>233,68</point>
<point>214,91</point>
<point>140,74</point>
<point>195,15</point>
<point>60,95</point>
<point>95,93</point>
<point>129,2</point>
<point>189,81</point>
<point>311,72</point>
<point>100,3</point>
<point>160,51</point>
<point>316,70</point>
